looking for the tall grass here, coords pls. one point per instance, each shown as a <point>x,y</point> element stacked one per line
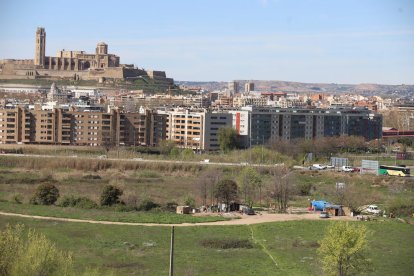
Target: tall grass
<point>36,163</point>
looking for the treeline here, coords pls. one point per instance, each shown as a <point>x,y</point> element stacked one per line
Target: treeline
<point>322,147</point>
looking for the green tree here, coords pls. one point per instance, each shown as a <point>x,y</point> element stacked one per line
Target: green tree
<point>250,181</point>
<point>189,201</point>
<point>31,255</point>
<point>166,146</point>
<point>343,249</point>
<point>110,195</point>
<point>226,190</point>
<point>10,247</point>
<point>46,194</point>
<point>227,138</point>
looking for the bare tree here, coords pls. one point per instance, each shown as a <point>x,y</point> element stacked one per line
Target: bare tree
<point>283,188</point>
<point>206,183</point>
<point>354,196</point>
<point>250,181</point>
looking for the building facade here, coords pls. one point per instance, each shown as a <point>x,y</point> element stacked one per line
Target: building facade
<point>80,127</point>
<point>258,125</point>
<point>196,130</point>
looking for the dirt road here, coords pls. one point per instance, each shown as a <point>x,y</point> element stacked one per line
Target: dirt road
<point>244,219</point>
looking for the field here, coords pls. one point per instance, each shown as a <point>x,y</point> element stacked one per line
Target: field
<point>262,249</point>
<point>172,182</point>
<point>143,250</point>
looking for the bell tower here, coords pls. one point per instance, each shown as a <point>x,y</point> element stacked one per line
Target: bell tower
<point>39,59</point>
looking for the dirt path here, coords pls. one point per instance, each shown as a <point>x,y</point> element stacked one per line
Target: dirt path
<point>244,220</point>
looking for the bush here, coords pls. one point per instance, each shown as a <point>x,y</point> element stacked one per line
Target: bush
<point>170,206</point>
<point>91,177</point>
<point>31,253</point>
<point>78,202</point>
<point>46,194</point>
<point>17,198</point>
<point>147,205</point>
<point>123,208</point>
<point>401,207</point>
<point>226,243</point>
<point>189,201</point>
<point>110,195</point>
<point>305,188</point>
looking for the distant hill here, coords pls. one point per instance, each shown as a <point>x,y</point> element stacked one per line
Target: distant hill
<point>287,86</point>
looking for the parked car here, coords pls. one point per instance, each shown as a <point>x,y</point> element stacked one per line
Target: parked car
<point>330,166</point>
<point>347,169</point>
<point>324,214</point>
<point>373,209</point>
<point>249,211</point>
<point>356,169</point>
<point>317,167</point>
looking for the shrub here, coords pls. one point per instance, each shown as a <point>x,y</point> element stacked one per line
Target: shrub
<point>46,194</point>
<point>78,202</point>
<point>123,208</point>
<point>17,198</point>
<point>110,195</point>
<point>189,201</point>
<point>170,206</point>
<point>401,207</point>
<point>305,188</point>
<point>226,243</point>
<point>91,177</point>
<point>147,205</point>
<point>31,254</point>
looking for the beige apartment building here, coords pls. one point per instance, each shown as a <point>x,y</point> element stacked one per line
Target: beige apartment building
<point>196,130</point>
<point>80,127</point>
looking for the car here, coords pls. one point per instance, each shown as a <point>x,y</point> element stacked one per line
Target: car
<point>347,169</point>
<point>330,166</point>
<point>356,169</point>
<point>324,214</point>
<point>317,167</point>
<point>249,211</point>
<point>373,209</point>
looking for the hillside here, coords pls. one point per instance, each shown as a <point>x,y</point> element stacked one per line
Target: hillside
<point>287,86</point>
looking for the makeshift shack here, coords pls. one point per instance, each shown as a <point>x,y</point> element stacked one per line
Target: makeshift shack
<point>334,210</point>
<point>183,209</point>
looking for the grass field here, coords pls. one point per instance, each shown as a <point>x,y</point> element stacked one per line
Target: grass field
<point>104,214</point>
<point>166,182</point>
<point>140,250</point>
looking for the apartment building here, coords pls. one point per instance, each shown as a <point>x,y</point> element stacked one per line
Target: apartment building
<point>81,126</point>
<point>257,125</point>
<point>197,130</point>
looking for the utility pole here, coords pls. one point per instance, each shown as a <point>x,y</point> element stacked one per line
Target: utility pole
<point>172,252</point>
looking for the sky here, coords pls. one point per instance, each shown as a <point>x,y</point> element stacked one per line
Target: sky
<point>325,41</point>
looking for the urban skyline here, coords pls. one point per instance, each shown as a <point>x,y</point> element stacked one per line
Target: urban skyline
<point>305,41</point>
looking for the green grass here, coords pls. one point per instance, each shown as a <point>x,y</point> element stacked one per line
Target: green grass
<point>143,250</point>
<point>104,214</point>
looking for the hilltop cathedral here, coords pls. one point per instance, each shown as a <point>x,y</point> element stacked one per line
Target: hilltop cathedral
<point>75,65</point>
